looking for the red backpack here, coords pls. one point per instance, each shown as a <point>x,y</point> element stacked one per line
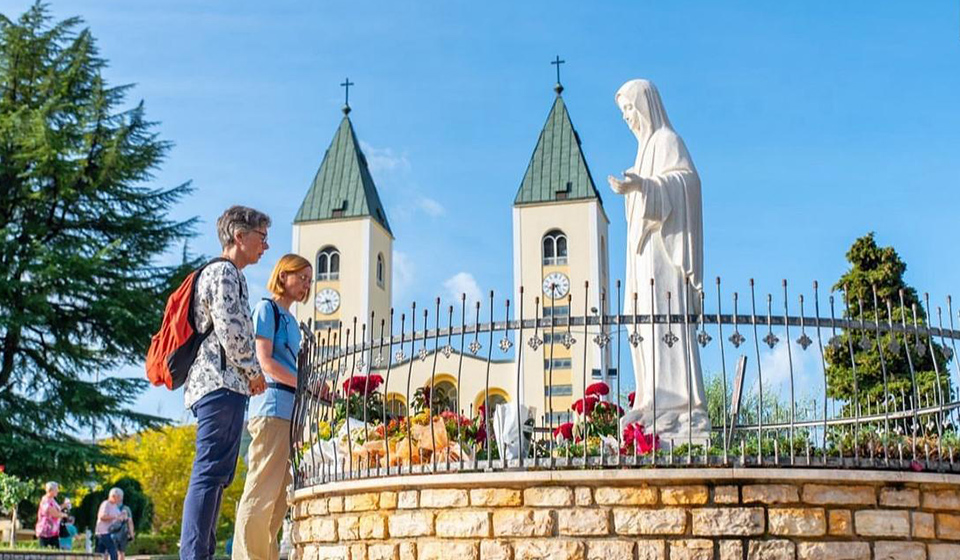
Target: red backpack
<point>175,346</point>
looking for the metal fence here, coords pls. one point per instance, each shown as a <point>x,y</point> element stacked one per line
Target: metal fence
<point>883,395</point>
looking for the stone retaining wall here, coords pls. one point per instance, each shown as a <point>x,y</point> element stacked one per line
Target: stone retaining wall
<point>652,514</point>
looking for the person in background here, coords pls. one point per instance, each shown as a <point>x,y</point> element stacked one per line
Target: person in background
<point>223,376</point>
<point>263,505</point>
<point>108,515</point>
<point>123,532</point>
<point>66,542</point>
<point>49,516</point>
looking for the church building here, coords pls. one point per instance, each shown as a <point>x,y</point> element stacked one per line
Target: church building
<point>560,241</point>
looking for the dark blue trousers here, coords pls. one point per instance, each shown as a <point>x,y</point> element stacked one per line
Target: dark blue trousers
<point>219,426</point>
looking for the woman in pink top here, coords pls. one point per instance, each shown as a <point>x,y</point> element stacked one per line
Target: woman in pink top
<point>109,514</point>
<point>48,517</point>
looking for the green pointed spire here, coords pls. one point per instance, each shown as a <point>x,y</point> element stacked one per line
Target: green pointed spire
<point>557,169</point>
<point>343,187</point>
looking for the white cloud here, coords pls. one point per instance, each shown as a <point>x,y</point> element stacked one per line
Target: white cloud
<point>463,283</point>
<point>431,207</point>
<point>384,160</point>
<point>404,273</point>
<point>775,365</point>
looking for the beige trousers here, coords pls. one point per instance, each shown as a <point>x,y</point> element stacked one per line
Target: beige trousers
<point>264,503</point>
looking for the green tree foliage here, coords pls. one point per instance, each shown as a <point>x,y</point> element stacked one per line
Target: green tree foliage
<point>81,232</point>
<point>133,497</point>
<point>881,268</point>
<point>12,492</point>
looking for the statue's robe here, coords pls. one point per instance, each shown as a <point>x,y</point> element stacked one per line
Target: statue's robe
<point>665,243</point>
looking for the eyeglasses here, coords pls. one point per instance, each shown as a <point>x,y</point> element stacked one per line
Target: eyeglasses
<point>262,234</point>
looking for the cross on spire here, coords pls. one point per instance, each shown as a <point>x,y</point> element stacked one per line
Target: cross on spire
<point>346,103</point>
<point>559,87</point>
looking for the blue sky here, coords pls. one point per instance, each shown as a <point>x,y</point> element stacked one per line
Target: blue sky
<point>811,123</point>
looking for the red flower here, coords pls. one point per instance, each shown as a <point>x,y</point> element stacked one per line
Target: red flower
<point>636,441</point>
<point>481,436</point>
<point>362,384</point>
<point>3,468</point>
<point>599,388</point>
<point>585,405</point>
<point>631,397</point>
<point>482,411</point>
<point>448,415</point>
<point>564,430</point>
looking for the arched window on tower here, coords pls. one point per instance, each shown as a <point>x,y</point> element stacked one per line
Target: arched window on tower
<point>555,247</point>
<point>381,270</point>
<point>328,264</point>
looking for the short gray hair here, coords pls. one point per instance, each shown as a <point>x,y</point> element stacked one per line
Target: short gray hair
<point>239,219</point>
<point>51,486</point>
<point>116,492</point>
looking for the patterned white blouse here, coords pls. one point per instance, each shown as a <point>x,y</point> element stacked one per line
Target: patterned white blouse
<point>222,301</point>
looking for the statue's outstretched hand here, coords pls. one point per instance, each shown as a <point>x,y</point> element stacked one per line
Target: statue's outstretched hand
<point>630,182</point>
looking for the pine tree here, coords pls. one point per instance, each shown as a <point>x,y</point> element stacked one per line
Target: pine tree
<point>882,269</point>
<point>81,234</point>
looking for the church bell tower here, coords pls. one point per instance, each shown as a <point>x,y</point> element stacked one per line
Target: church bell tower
<point>560,244</point>
<point>342,229</point>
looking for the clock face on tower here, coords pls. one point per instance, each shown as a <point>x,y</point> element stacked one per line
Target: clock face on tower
<point>556,285</point>
<point>327,301</point>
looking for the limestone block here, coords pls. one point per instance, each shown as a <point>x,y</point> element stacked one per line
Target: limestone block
<point>833,551</point>
<point>407,500</point>
<point>770,494</point>
<point>841,522</point>
<point>798,522</point>
<point>731,550</point>
<point>317,507</point>
<point>684,495</point>
<point>882,523</point>
<point>548,496</point>
<point>373,526</point>
<point>309,553</point>
<point>496,550</point>
<point>638,496</point>
<point>941,551</point>
<point>301,531</point>
<point>335,504</point>
<point>583,521</point>
<point>388,500</point>
<point>463,524</point>
<point>348,527</point>
<point>367,501</point>
<point>583,497</point>
<point>408,550</point>
<point>893,550</point>
<point>333,552</point>
<point>411,524</point>
<point>635,521</point>
<point>691,549</point>
<point>923,525</point>
<point>906,497</point>
<point>323,529</point>
<point>522,523</point>
<point>738,521</point>
<point>548,549</point>
<point>383,551</point>
<point>651,550</point>
<point>448,550</point>
<point>941,499</point>
<point>845,495</point>
<point>499,497</point>
<point>772,550</point>
<point>948,526</point>
<point>726,495</point>
<point>609,550</point>
<point>443,498</point>
<point>358,552</point>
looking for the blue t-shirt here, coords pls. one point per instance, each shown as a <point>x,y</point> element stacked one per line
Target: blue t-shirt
<point>286,345</point>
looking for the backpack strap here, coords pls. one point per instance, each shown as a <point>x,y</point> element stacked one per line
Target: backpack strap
<point>190,312</point>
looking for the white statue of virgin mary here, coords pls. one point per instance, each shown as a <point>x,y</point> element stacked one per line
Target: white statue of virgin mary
<point>664,243</point>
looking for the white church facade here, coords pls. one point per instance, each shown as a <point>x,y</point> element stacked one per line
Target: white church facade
<point>560,240</point>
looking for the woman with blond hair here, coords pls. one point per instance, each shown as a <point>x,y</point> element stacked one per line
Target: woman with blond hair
<point>264,504</point>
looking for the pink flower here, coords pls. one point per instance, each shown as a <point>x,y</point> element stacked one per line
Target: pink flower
<point>585,405</point>
<point>631,397</point>
<point>599,388</point>
<point>564,430</point>
<point>636,441</point>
